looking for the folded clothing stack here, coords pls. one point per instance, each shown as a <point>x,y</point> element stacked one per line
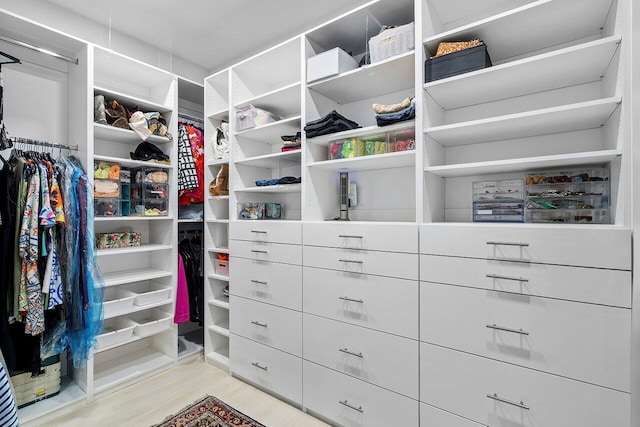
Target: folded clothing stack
<point>390,114</point>
<point>331,123</point>
<point>291,142</point>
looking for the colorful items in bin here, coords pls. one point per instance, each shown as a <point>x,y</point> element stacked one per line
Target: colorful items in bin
<point>106,188</point>
<point>330,123</point>
<point>455,58</point>
<point>123,239</point>
<point>498,201</point>
<point>106,207</point>
<point>250,210</point>
<point>249,117</point>
<point>220,185</point>
<point>105,170</point>
<point>573,196</point>
<point>222,264</point>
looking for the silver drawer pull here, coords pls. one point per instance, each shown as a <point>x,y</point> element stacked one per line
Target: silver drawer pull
<point>347,351</point>
<point>259,282</point>
<point>259,231</point>
<point>349,236</point>
<point>346,403</point>
<point>509,402</point>
<point>507,243</point>
<point>351,261</point>
<point>255,251</point>
<point>351,299</point>
<point>501,328</point>
<point>257,365</point>
<point>264,325</point>
<point>497,276</point>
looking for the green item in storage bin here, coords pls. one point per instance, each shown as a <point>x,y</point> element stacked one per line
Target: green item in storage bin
<point>381,147</point>
<point>348,149</point>
<point>359,147</point>
<point>369,148</point>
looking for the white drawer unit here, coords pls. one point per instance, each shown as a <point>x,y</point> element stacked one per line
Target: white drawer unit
<point>375,236</point>
<point>376,357</point>
<point>592,285</point>
<point>274,283</point>
<point>500,394</point>
<point>430,416</point>
<point>266,367</point>
<point>350,402</point>
<point>390,264</point>
<point>266,231</point>
<point>587,342</point>
<point>271,325</point>
<point>604,247</point>
<point>266,252</point>
<point>382,303</point>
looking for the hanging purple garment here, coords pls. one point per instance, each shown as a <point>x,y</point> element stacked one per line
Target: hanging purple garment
<point>182,297</point>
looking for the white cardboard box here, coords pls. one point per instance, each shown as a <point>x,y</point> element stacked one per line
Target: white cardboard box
<point>329,63</point>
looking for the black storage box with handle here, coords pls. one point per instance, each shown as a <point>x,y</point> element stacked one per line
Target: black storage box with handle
<point>452,64</point>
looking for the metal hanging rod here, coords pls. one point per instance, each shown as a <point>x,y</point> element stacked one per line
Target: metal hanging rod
<point>29,141</point>
<point>188,117</point>
<point>39,49</point>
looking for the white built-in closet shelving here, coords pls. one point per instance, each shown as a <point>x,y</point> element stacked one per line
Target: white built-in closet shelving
<point>152,266</point>
<point>216,224</point>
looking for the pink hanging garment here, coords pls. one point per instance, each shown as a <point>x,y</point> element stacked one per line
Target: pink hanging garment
<point>182,296</point>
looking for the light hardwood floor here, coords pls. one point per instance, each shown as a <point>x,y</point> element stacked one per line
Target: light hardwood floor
<point>151,401</point>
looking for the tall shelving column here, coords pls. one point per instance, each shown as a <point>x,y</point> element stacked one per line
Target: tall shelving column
<point>147,269</point>
<point>216,225</point>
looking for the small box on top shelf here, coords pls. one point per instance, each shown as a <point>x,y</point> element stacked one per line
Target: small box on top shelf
<point>329,63</point>
<point>456,58</point>
<point>392,41</point>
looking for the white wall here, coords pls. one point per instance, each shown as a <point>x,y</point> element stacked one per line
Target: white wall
<point>78,26</point>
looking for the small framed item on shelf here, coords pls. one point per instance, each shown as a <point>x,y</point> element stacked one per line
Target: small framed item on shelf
<point>498,201</point>
<point>570,196</point>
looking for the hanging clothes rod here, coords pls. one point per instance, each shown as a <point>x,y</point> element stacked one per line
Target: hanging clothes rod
<point>39,49</point>
<point>29,141</point>
<point>188,117</point>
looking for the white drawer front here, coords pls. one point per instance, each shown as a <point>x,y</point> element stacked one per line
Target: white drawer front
<point>583,246</point>
<point>378,236</point>
<point>362,404</point>
<point>274,326</point>
<point>582,341</point>
<point>460,382</point>
<point>266,252</point>
<point>389,264</point>
<point>383,359</point>
<point>592,285</point>
<point>266,231</point>
<point>430,416</point>
<point>381,303</point>
<point>266,367</point>
<point>275,283</point>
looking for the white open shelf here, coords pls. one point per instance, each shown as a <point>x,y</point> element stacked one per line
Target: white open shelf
<point>115,134</point>
<point>131,218</point>
<point>190,220</point>
<point>582,115</point>
<point>132,163</point>
<point>218,221</point>
<point>122,98</point>
<point>219,115</point>
<point>529,28</point>
<point>221,328</point>
<point>378,161</point>
<point>115,278</point>
<point>525,164</point>
<point>271,132</point>
<point>218,250</point>
<point>129,366</point>
<point>218,277</point>
<point>217,162</point>
<point>135,309</point>
<point>563,67</point>
<point>133,250</point>
<point>218,197</point>
<point>220,302</point>
<point>282,101</point>
<point>278,188</point>
<point>366,131</point>
<point>274,160</point>
<point>220,357</point>
<point>387,76</point>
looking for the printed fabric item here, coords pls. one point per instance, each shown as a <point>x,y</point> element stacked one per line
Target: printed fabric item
<point>47,216</point>
<point>187,174</point>
<point>195,195</point>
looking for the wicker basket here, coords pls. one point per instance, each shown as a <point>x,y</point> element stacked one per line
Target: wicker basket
<point>392,41</point>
